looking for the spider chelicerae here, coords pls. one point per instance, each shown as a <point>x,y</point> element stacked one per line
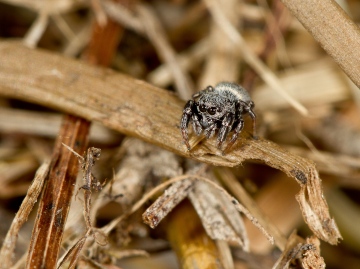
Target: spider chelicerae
<point>218,109</point>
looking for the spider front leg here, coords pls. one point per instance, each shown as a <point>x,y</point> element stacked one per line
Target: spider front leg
<point>253,117</point>
<point>196,124</point>
<point>210,131</point>
<point>185,119</point>
<point>237,131</point>
<point>226,126</point>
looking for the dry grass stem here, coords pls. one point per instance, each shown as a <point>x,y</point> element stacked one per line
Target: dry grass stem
<point>55,202</point>
<point>162,76</point>
<point>8,247</point>
<point>37,30</point>
<point>312,84</point>
<point>73,254</point>
<point>221,63</point>
<point>44,124</point>
<point>339,36</point>
<point>264,72</point>
<point>147,24</point>
<point>56,6</point>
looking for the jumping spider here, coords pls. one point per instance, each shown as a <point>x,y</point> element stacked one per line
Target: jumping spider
<point>220,108</point>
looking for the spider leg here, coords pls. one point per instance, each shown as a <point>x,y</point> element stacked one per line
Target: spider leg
<point>237,131</point>
<point>210,131</point>
<point>226,126</point>
<point>185,119</point>
<point>253,116</point>
<point>196,124</point>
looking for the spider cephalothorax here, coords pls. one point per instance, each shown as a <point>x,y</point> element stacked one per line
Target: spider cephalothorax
<point>220,110</point>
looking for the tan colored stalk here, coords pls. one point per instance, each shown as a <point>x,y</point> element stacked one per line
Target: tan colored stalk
<point>333,29</point>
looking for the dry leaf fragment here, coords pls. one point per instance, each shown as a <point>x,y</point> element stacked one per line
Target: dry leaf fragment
<point>166,202</point>
<point>218,215</point>
<point>307,252</point>
<point>217,210</point>
<point>311,257</point>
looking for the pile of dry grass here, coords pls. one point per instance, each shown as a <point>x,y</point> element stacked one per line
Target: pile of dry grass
<point>92,155</point>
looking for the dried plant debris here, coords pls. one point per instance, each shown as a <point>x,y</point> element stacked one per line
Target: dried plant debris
<point>72,255</point>
<point>142,166</point>
<point>90,181</point>
<point>166,202</point>
<point>142,162</point>
<point>218,211</point>
<point>218,215</point>
<point>183,46</point>
<point>306,253</point>
<point>8,247</point>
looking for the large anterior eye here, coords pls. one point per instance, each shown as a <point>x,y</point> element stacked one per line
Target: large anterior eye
<point>202,108</point>
<point>212,110</point>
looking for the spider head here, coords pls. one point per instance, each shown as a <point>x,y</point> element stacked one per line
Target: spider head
<point>212,106</point>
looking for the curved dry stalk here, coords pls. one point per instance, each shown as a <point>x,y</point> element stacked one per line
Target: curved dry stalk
<point>333,29</point>
<point>138,109</point>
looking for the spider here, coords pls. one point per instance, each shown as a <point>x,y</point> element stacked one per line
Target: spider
<point>218,108</point>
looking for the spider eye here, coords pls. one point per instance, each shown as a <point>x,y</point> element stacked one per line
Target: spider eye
<point>212,110</point>
<point>202,108</point>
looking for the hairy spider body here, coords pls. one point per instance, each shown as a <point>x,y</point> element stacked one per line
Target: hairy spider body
<point>218,109</point>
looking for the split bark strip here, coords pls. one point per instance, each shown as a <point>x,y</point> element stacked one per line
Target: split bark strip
<point>138,109</point>
<point>8,247</point>
<point>333,29</point>
<point>55,203</point>
<point>59,190</point>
